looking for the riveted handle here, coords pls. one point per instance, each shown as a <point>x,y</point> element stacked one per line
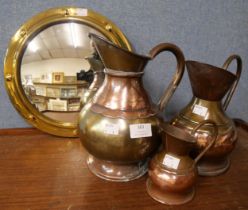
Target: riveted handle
<point>178,74</point>
<point>215,134</point>
<point>238,73</point>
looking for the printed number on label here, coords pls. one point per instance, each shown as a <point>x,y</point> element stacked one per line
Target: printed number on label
<point>171,162</point>
<point>140,130</point>
<point>200,110</point>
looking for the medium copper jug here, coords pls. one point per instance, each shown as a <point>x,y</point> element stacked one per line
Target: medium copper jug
<point>119,127</point>
<point>172,172</point>
<point>97,66</point>
<point>210,84</point>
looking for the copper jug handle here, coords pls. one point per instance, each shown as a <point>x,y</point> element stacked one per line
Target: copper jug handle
<point>238,73</point>
<point>177,76</point>
<point>215,134</point>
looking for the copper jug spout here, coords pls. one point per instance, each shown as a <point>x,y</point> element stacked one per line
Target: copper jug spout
<point>209,82</point>
<point>95,62</point>
<point>118,58</point>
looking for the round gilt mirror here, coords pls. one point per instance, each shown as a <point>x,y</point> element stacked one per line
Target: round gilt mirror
<point>48,66</point>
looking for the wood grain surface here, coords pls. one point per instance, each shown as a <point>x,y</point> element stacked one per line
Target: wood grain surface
<point>40,171</point>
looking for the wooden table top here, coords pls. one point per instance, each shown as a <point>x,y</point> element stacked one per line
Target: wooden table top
<point>40,171</point>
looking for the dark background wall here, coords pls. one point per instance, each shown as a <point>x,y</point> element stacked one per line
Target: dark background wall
<point>207,31</point>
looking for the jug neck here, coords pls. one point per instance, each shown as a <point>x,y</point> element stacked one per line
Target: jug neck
<point>214,105</point>
<point>121,73</point>
<point>177,147</point>
<point>199,109</point>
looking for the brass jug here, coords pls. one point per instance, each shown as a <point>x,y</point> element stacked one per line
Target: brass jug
<point>172,172</point>
<point>210,84</point>
<point>119,127</point>
<point>97,66</point>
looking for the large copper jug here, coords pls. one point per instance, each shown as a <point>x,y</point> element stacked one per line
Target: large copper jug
<point>172,172</point>
<point>210,84</point>
<point>119,127</point>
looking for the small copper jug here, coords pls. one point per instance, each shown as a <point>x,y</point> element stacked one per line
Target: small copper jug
<point>97,66</point>
<point>210,84</point>
<point>119,127</point>
<point>172,172</point>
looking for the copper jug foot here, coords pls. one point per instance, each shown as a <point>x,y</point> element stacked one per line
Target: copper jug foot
<point>213,167</point>
<point>166,197</point>
<point>116,172</point>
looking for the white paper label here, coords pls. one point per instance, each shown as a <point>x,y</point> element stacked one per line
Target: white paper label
<point>112,129</point>
<point>200,110</point>
<point>82,12</point>
<point>171,162</point>
<point>140,130</point>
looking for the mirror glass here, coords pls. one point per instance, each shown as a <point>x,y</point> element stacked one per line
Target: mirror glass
<point>55,72</point>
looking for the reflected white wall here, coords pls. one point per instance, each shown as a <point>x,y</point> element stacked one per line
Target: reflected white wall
<point>70,66</point>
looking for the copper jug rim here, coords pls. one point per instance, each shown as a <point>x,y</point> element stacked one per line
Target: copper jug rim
<point>178,133</point>
<point>210,67</point>
<point>117,47</point>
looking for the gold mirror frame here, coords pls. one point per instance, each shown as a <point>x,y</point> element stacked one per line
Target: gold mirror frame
<point>18,44</point>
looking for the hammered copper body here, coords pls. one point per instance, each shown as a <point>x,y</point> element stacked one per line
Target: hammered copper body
<point>171,182</point>
<point>209,85</point>
<point>121,102</point>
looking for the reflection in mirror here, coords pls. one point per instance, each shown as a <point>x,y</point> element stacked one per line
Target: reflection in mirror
<point>61,71</point>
